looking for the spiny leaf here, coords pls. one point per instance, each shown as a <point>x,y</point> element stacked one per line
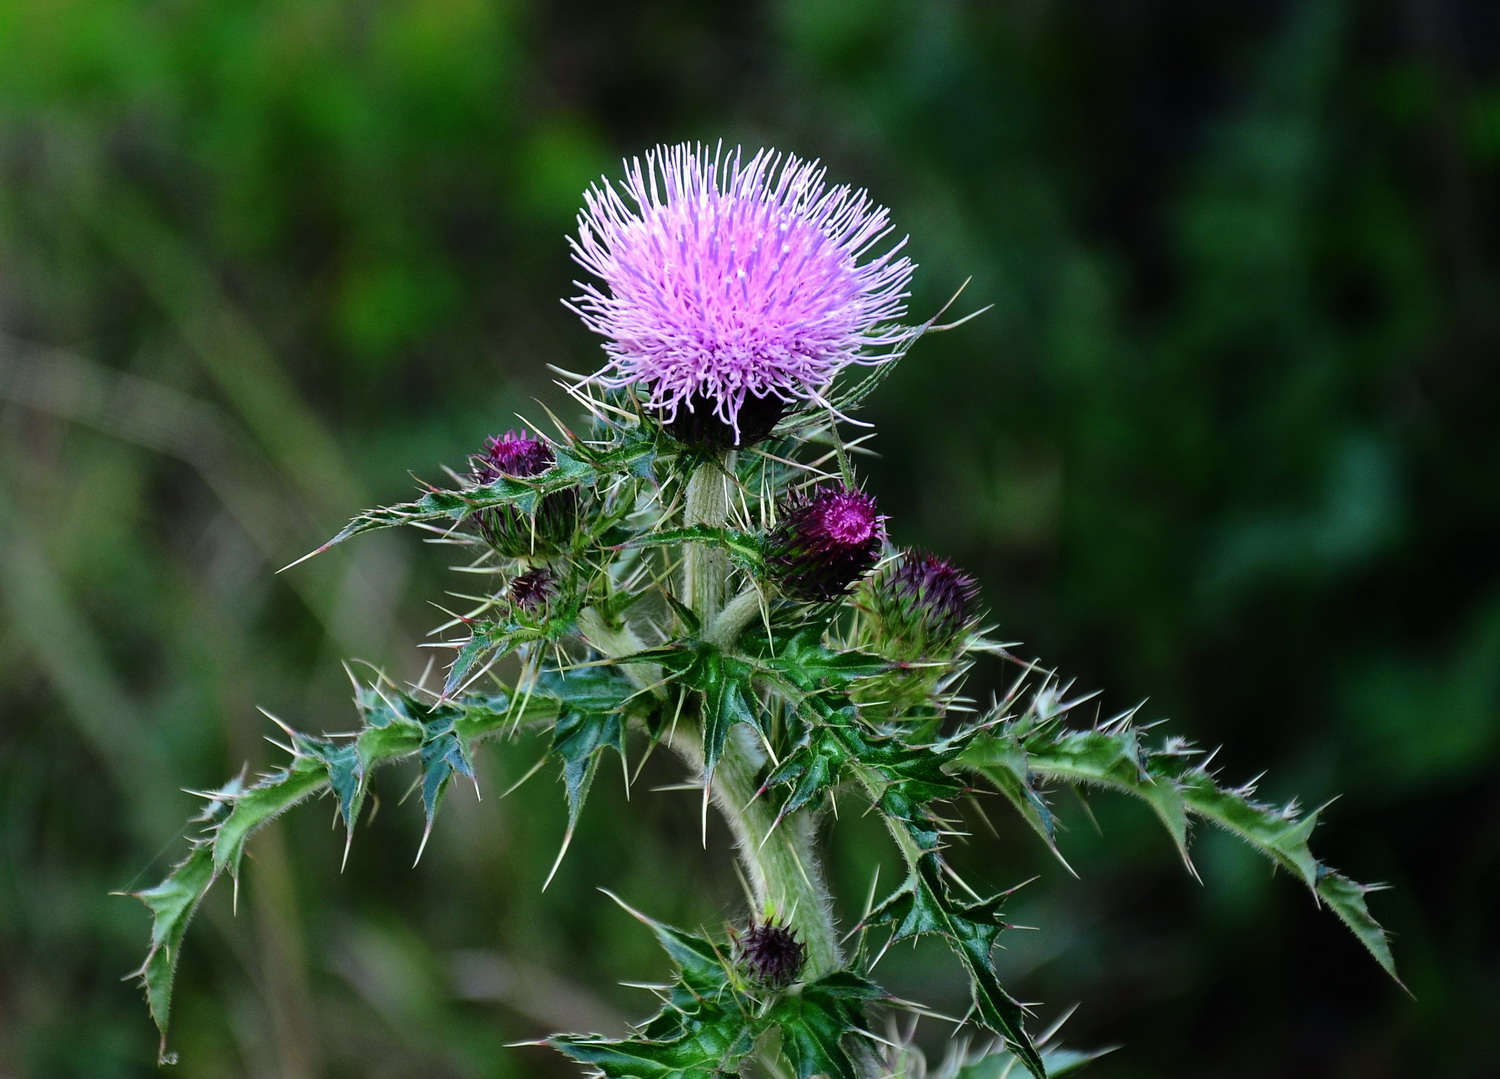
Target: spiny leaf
<point>1174,787</point>
<point>1003,763</point>
<point>574,465</point>
<point>924,905</point>
<point>397,726</point>
<point>702,1032</point>
<point>172,903</point>
<point>444,753</point>
<point>1002,1064</point>
<point>815,1021</point>
<point>800,659</point>
<point>725,684</point>
<point>703,1053</point>
<point>744,546</point>
<point>1346,899</point>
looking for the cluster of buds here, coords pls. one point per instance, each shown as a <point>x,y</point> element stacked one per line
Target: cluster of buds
<point>921,605</point>
<point>769,955</point>
<point>508,529</point>
<point>824,542</point>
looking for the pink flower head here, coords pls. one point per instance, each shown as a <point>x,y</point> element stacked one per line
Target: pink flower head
<point>727,281</point>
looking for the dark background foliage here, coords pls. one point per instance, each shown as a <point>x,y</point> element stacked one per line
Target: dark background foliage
<point>1226,441</point>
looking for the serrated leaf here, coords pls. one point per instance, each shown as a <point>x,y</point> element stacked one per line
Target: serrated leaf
<point>698,1055</point>
<point>815,1021</point>
<point>258,805</point>
<point>702,1032</point>
<point>1113,759</point>
<point>1347,900</point>
<point>444,754</point>
<point>812,768</point>
<point>800,659</point>
<point>744,546</point>
<point>573,465</point>
<point>924,905</point>
<point>1276,833</point>
<point>173,903</point>
<point>346,772</point>
<point>396,727</point>
<point>1003,763</point>
<point>1167,780</point>
<point>487,641</point>
<point>725,685</point>
<point>1002,1064</point>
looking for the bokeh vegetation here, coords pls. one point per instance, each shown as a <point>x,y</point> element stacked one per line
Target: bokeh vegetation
<point>1226,440</point>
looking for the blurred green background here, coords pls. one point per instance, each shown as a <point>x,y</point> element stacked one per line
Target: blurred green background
<point>1226,440</point>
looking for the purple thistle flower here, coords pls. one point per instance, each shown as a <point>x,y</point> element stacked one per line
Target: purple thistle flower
<point>824,542</point>
<point>511,455</point>
<point>732,289</point>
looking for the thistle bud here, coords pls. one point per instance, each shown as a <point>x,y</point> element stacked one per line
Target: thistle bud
<point>508,529</point>
<point>533,590</point>
<point>825,541</point>
<point>770,955</point>
<point>921,603</point>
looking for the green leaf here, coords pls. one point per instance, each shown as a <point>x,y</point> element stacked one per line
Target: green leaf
<point>578,463</point>
<point>1002,1064</point>
<point>443,754</point>
<point>725,684</point>
<point>1113,759</point>
<point>700,1054</point>
<point>1346,899</point>
<point>801,660</point>
<point>815,1020</point>
<point>925,905</point>
<point>1166,779</point>
<point>702,1032</point>
<point>812,768</point>
<point>172,903</point>
<point>1003,763</point>
<point>396,726</point>
<point>744,546</point>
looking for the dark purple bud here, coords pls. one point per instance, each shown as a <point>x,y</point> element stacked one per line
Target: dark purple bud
<point>508,529</point>
<point>697,425</point>
<point>922,602</point>
<point>533,590</point>
<point>770,955</point>
<point>824,542</point>
<point>511,455</point>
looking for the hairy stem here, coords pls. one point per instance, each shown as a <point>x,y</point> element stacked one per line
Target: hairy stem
<point>778,856</point>
<point>705,568</point>
<point>780,859</point>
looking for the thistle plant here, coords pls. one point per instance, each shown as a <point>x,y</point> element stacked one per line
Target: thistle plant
<point>700,569</point>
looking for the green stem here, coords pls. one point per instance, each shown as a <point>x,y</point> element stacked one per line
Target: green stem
<point>779,858</point>
<point>704,567</point>
<point>738,613</point>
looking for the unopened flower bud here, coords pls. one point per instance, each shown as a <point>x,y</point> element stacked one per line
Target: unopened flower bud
<point>533,590</point>
<point>508,529</point>
<point>825,541</point>
<point>921,603</point>
<point>770,955</point>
